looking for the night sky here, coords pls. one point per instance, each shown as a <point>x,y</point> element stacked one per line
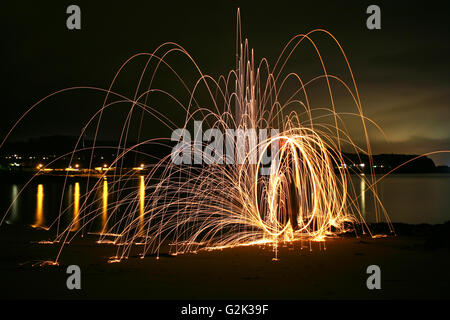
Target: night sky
<point>402,70</point>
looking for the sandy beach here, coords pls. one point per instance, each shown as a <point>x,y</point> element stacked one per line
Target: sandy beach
<point>414,265</point>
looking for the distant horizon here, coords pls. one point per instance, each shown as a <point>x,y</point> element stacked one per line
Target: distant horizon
<point>23,140</point>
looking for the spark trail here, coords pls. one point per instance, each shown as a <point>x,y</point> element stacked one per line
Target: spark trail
<point>308,194</point>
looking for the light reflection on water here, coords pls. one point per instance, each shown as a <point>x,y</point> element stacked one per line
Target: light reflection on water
<point>39,206</point>
<point>14,204</point>
<point>76,207</point>
<point>363,196</point>
<point>141,204</point>
<point>105,206</point>
<point>414,199</point>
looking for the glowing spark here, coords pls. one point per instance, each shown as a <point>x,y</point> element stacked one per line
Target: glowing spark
<point>307,196</point>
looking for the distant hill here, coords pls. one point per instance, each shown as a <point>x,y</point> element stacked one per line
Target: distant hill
<point>43,149</point>
<point>387,162</point>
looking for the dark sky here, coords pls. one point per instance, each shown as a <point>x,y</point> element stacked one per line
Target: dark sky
<point>402,70</point>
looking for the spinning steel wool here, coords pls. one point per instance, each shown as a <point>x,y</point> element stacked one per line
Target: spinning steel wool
<point>291,185</point>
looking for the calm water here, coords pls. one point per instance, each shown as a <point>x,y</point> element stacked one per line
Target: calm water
<point>39,203</point>
<point>410,199</point>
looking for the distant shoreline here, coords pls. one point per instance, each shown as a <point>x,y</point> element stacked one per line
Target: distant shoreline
<point>29,174</point>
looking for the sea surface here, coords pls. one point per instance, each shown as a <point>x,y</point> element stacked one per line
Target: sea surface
<point>407,198</point>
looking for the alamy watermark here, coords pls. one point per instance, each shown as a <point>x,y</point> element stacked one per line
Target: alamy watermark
<point>374,280</point>
<point>74,279</point>
<point>231,146</point>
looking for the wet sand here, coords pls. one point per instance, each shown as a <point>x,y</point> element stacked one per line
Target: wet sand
<point>414,265</point>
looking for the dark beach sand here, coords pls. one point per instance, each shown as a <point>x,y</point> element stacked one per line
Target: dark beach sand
<point>414,265</point>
